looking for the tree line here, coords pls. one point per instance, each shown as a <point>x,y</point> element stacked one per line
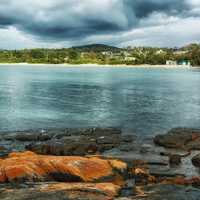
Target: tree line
<point>103,55</point>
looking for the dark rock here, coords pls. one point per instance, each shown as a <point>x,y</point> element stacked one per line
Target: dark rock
<point>127,147</point>
<point>196,160</point>
<point>128,189</point>
<point>2,148</point>
<point>81,142</point>
<point>8,136</point>
<point>43,135</point>
<point>164,172</point>
<point>175,159</point>
<point>111,139</point>
<point>106,131</point>
<point>90,132</point>
<point>68,141</point>
<point>168,192</point>
<point>3,151</point>
<point>179,138</point>
<point>27,136</point>
<point>164,153</point>
<point>73,145</point>
<point>128,138</point>
<point>64,147</point>
<point>145,148</point>
<point>106,147</point>
<point>60,191</point>
<point>111,152</point>
<point>194,144</point>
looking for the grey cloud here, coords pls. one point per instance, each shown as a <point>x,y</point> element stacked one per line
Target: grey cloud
<point>78,19</point>
<point>145,7</point>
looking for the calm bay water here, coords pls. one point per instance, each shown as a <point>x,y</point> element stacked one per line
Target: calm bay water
<point>145,101</point>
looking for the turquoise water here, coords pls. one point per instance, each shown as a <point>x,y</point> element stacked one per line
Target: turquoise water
<point>144,101</point>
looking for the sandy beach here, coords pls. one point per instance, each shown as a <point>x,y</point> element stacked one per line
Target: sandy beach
<point>97,65</point>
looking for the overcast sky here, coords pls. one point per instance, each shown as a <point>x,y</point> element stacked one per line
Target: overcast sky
<point>64,23</point>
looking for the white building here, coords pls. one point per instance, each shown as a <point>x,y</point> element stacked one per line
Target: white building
<point>129,58</point>
<point>107,53</point>
<point>171,62</point>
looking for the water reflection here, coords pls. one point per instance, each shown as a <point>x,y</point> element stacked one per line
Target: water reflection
<point>146,101</point>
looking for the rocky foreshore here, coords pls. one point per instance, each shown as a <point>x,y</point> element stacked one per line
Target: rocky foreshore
<point>99,164</point>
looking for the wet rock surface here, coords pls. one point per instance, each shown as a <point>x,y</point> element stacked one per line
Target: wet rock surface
<point>45,134</point>
<point>165,192</point>
<point>78,142</point>
<point>183,138</point>
<point>196,160</point>
<point>99,163</point>
<point>175,159</point>
<point>61,191</point>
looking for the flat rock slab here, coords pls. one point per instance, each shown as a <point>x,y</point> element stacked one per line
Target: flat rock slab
<point>65,142</point>
<point>92,141</point>
<point>28,166</point>
<point>62,191</point>
<point>149,159</point>
<point>45,134</point>
<point>165,192</point>
<point>182,138</point>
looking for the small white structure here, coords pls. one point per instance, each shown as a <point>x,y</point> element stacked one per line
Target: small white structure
<point>129,58</point>
<point>160,51</point>
<point>171,62</point>
<point>107,53</point>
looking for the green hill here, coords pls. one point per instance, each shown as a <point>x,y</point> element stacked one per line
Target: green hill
<point>96,48</point>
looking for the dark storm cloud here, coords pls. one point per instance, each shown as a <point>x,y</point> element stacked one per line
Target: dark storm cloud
<point>73,19</point>
<point>145,7</point>
<point>5,21</point>
<point>65,31</point>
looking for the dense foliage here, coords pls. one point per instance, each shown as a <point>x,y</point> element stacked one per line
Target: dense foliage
<point>103,54</point>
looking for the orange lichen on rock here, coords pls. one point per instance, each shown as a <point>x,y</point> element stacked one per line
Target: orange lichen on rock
<point>195,136</point>
<point>152,179</point>
<point>32,167</point>
<point>117,164</point>
<point>21,154</point>
<point>182,181</point>
<point>3,177</point>
<point>119,180</point>
<point>139,171</point>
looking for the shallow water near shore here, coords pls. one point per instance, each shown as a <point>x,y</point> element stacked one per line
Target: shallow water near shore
<point>146,101</point>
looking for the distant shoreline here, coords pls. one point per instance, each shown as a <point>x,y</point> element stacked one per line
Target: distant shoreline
<point>98,65</point>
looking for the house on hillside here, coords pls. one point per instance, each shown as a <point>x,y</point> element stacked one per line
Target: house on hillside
<point>160,51</point>
<point>180,62</point>
<point>107,53</point>
<point>125,53</point>
<point>130,58</point>
<point>171,62</point>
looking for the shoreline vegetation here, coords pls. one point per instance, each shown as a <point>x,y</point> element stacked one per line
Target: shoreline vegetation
<point>104,55</point>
